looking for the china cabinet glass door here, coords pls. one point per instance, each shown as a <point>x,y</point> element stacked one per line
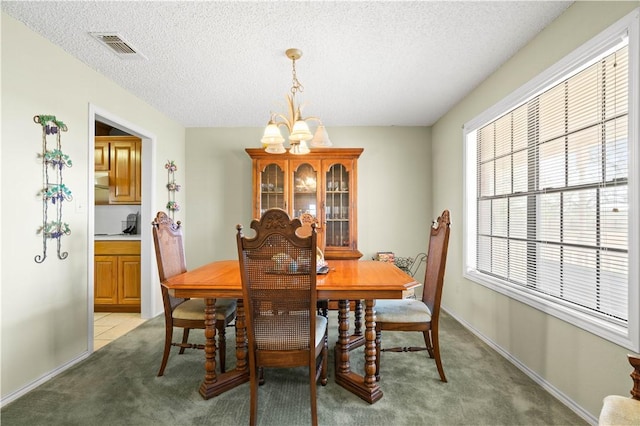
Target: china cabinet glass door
<point>305,190</point>
<point>337,207</point>
<point>272,194</point>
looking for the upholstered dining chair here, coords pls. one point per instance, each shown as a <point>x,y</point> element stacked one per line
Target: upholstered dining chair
<point>620,410</point>
<point>278,270</point>
<point>183,313</point>
<point>419,315</point>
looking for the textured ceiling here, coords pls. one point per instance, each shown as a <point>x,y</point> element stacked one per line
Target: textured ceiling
<point>365,63</point>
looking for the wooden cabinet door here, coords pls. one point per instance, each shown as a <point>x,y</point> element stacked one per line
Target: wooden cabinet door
<point>340,216</point>
<point>271,185</point>
<point>105,280</point>
<point>122,182</point>
<point>306,187</point>
<point>101,156</point>
<point>138,169</point>
<point>129,280</point>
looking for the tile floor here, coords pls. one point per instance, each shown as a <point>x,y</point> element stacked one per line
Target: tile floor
<point>108,326</point>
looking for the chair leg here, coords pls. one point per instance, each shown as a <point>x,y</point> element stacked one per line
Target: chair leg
<point>168,337</point>
<point>378,343</point>
<point>312,391</point>
<point>185,340</point>
<point>222,344</point>
<point>325,361</point>
<point>253,413</point>
<point>427,341</point>
<point>429,337</point>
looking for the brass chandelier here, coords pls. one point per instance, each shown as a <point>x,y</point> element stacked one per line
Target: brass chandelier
<point>296,125</point>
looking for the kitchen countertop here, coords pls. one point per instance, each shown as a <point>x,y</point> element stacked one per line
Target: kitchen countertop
<point>116,237</point>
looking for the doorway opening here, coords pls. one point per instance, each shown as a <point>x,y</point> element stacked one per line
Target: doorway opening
<point>150,301</point>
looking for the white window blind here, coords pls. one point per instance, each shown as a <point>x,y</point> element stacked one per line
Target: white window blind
<point>551,189</point>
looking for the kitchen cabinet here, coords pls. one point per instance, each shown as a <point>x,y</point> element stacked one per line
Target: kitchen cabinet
<point>101,156</point>
<point>117,276</point>
<point>120,157</point>
<point>322,183</point>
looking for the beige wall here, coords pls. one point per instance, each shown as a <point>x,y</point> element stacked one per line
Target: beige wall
<point>394,199</point>
<point>45,307</point>
<point>578,365</point>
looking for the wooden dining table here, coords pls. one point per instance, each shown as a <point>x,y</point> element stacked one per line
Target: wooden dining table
<point>347,280</point>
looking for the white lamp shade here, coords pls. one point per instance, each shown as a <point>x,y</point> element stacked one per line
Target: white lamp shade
<point>320,138</point>
<point>272,134</point>
<point>300,148</point>
<point>300,131</point>
<point>275,148</point>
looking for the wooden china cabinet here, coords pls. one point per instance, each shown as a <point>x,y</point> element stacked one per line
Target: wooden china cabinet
<point>322,183</point>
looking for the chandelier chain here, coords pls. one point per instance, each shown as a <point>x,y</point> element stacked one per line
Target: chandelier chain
<point>296,85</point>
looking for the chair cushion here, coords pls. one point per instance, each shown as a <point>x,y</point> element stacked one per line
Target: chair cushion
<point>193,309</point>
<point>619,410</point>
<point>321,328</point>
<point>402,310</point>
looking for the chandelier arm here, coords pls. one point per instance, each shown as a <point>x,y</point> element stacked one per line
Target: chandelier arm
<point>311,118</point>
<point>293,111</point>
<point>284,122</point>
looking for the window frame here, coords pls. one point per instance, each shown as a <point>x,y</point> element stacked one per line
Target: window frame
<point>627,336</point>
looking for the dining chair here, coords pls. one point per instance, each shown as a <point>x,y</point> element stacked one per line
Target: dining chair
<point>278,271</point>
<point>618,410</point>
<point>178,312</point>
<point>419,315</point>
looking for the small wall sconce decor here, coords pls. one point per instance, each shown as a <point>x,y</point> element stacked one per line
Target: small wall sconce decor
<point>172,188</point>
<point>53,191</point>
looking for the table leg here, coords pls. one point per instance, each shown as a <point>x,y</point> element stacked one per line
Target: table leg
<point>358,318</point>
<point>365,387</point>
<point>342,345</point>
<point>370,345</point>
<point>214,385</point>
<point>357,338</point>
<point>241,339</point>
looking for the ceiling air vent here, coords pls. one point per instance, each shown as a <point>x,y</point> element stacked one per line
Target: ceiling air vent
<point>118,45</point>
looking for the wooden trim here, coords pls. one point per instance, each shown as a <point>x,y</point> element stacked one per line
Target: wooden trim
<point>315,153</point>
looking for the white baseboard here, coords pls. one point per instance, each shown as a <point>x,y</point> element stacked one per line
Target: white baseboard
<point>43,379</point>
<point>571,404</point>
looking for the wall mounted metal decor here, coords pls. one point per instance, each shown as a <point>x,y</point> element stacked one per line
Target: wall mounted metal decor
<point>53,191</point>
<point>172,187</point>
